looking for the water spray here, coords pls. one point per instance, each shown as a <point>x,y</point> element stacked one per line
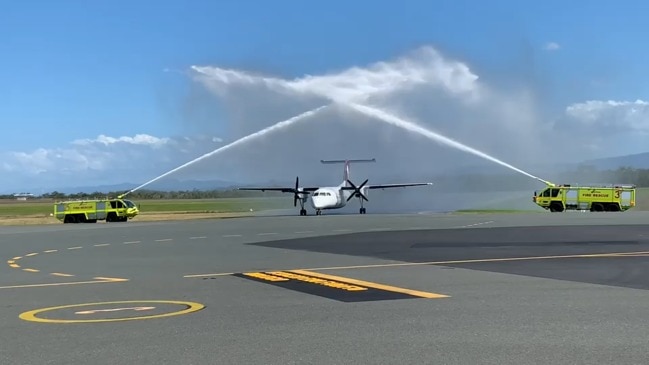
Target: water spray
<point>276,126</point>
<point>400,122</point>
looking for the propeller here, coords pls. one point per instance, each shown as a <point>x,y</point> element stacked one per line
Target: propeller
<point>296,192</point>
<point>357,190</point>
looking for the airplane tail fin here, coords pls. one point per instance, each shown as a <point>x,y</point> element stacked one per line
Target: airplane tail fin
<point>347,163</point>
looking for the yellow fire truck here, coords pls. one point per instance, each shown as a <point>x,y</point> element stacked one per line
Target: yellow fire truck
<point>609,198</point>
<point>90,211</point>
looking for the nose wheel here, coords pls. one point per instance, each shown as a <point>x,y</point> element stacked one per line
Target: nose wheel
<point>318,212</point>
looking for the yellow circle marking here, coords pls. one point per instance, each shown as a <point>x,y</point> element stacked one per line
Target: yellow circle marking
<point>32,315</point>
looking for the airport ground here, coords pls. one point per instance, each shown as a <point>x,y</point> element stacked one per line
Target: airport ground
<point>443,288</point>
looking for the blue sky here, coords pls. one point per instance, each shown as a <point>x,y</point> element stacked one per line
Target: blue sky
<point>75,69</point>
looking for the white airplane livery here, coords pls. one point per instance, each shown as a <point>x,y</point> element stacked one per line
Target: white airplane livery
<point>333,197</point>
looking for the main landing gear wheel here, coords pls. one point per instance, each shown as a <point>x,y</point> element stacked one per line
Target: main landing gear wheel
<point>302,211</point>
<point>362,210</point>
<point>318,212</point>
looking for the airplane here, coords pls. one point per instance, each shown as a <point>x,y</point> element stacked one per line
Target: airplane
<point>333,197</point>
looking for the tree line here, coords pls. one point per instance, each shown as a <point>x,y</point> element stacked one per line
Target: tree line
<point>155,194</point>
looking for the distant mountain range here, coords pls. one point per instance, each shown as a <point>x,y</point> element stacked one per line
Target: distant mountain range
<point>638,161</point>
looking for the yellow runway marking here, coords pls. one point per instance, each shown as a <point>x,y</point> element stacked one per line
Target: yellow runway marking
<point>32,315</point>
<point>470,261</point>
<point>369,284</point>
<point>50,251</point>
<point>32,254</point>
<point>131,242</point>
<point>206,275</point>
<point>14,265</point>
<point>32,270</point>
<point>449,262</point>
<point>60,274</point>
<point>74,248</point>
<point>17,258</point>
<point>102,245</point>
<point>99,281</point>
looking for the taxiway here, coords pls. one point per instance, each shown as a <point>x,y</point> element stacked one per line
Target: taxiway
<point>419,288</point>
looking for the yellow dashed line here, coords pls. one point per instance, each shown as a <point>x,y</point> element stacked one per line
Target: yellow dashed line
<point>17,258</point>
<point>11,262</point>
<point>50,251</point>
<point>102,244</point>
<point>32,270</point>
<point>32,254</point>
<point>15,266</point>
<point>130,242</point>
<point>74,248</point>
<point>60,274</point>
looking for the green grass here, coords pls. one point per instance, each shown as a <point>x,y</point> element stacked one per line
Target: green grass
<point>12,208</point>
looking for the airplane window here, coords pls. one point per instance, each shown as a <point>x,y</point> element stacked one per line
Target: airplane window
<point>316,194</point>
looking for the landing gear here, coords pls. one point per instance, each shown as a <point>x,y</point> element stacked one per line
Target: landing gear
<point>318,212</point>
<point>362,211</point>
<point>302,211</point>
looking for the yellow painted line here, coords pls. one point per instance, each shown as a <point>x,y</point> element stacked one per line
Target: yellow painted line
<point>14,265</point>
<point>109,279</point>
<point>50,251</point>
<point>17,258</point>
<point>102,245</point>
<point>60,274</point>
<point>32,315</point>
<point>368,284</point>
<point>11,262</point>
<point>74,248</point>
<point>164,240</point>
<point>328,282</point>
<point>264,276</point>
<point>61,284</point>
<point>449,262</point>
<point>131,242</point>
<point>595,255</point>
<point>206,275</point>
<point>32,254</point>
<point>31,270</point>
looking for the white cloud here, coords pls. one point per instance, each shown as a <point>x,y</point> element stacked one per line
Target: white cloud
<point>444,95</point>
<point>101,160</point>
<point>139,139</point>
<point>552,46</point>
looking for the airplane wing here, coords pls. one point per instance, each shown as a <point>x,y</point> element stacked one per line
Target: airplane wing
<point>282,189</point>
<point>387,186</point>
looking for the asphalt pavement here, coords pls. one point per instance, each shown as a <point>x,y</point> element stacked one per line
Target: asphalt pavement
<point>566,288</point>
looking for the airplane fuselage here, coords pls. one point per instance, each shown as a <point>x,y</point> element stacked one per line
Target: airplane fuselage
<point>331,197</point>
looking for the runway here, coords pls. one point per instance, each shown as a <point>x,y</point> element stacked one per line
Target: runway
<point>389,288</point>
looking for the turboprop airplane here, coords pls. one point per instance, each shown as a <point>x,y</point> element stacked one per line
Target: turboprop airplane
<point>333,197</point>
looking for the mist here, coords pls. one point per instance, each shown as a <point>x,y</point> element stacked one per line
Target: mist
<point>423,87</point>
